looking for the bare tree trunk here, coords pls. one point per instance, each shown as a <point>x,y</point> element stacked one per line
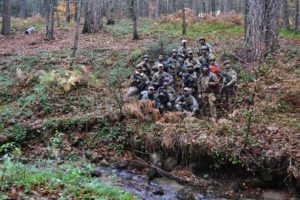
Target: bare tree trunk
<point>203,7</point>
<point>68,15</point>
<point>255,29</point>
<point>76,37</point>
<point>285,7</point>
<point>272,17</point>
<point>213,7</point>
<point>49,8</point>
<point>226,6</point>
<point>76,9</point>
<point>93,16</point>
<point>246,15</point>
<point>222,6</point>
<point>57,17</point>
<point>297,17</point>
<point>132,12</point>
<point>183,18</point>
<point>23,9</point>
<point>7,5</point>
<point>110,12</point>
<point>262,28</point>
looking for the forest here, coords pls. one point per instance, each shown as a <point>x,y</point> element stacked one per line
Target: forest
<point>154,100</point>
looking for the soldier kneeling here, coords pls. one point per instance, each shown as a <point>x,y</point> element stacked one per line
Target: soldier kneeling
<point>166,97</point>
<point>187,103</point>
<point>138,82</point>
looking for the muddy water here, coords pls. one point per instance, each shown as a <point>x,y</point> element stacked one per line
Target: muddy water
<point>158,189</point>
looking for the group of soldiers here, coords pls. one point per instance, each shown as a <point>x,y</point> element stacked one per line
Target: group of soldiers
<point>200,82</point>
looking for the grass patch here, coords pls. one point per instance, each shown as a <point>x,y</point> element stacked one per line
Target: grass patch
<point>66,182</point>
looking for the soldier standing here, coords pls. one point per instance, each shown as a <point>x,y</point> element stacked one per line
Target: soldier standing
<point>190,79</point>
<point>145,64</point>
<point>229,88</point>
<point>202,42</point>
<point>204,58</point>
<point>161,60</point>
<point>173,58</point>
<point>191,60</point>
<point>183,50</point>
<point>208,87</point>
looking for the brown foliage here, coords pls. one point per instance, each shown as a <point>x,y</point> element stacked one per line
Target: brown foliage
<point>177,17</point>
<point>140,109</point>
<point>167,138</point>
<point>172,117</point>
<point>231,18</point>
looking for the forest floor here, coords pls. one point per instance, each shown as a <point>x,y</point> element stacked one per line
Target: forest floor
<point>61,108</point>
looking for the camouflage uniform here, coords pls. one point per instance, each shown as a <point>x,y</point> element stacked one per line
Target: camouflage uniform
<point>146,95</point>
<point>204,44</point>
<point>229,88</point>
<point>183,52</point>
<point>186,103</point>
<point>208,87</point>
<point>165,97</point>
<point>158,79</point>
<point>138,83</point>
<point>147,67</point>
<point>192,61</point>
<point>190,80</point>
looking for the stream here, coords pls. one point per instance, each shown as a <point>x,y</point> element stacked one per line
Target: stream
<point>138,185</point>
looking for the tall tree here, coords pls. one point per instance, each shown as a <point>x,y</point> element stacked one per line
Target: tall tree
<point>297,17</point>
<point>246,15</point>
<point>93,16</point>
<point>6,15</point>
<point>76,9</point>
<point>183,18</point>
<point>226,6</point>
<point>213,7</point>
<point>68,15</point>
<point>49,10</point>
<point>262,27</point>
<point>76,37</point>
<point>286,17</point>
<point>23,9</point>
<point>132,14</point>
<point>272,26</point>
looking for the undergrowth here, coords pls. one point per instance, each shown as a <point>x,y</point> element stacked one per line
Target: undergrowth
<point>65,182</point>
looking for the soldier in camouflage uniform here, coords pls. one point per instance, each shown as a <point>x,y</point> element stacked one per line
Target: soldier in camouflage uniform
<point>183,51</point>
<point>229,88</point>
<point>174,58</point>
<point>208,88</point>
<point>148,94</point>
<point>191,60</point>
<point>159,77</point>
<point>202,42</point>
<point>145,64</point>
<point>187,103</point>
<point>161,60</point>
<point>166,97</point>
<point>138,82</point>
<point>204,58</point>
<point>190,79</point>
